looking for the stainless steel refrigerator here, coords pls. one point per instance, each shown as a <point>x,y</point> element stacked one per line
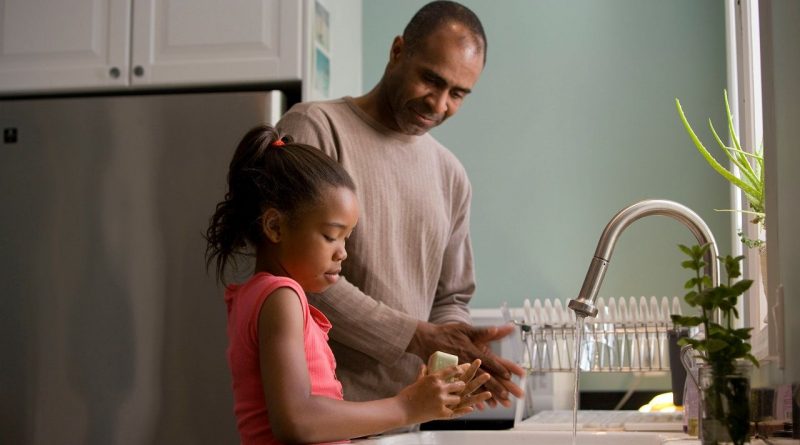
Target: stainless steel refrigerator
<point>111,331</point>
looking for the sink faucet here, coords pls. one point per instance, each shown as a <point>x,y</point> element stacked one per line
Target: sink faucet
<point>584,304</point>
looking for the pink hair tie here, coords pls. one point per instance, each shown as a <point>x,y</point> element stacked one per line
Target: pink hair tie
<point>278,143</point>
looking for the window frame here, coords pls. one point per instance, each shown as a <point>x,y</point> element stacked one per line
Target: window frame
<point>745,97</point>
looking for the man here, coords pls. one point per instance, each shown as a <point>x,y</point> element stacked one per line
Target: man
<point>409,275</point>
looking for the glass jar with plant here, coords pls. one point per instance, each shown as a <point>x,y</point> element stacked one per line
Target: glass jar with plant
<point>724,350</point>
<point>750,179</point>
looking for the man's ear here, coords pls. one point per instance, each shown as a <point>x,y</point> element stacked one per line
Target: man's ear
<point>398,46</point>
<point>271,224</point>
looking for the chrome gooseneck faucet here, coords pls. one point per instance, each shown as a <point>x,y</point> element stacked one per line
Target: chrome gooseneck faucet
<point>584,304</point>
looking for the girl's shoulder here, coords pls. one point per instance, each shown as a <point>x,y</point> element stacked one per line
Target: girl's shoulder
<point>259,287</point>
<point>265,284</point>
<point>245,301</point>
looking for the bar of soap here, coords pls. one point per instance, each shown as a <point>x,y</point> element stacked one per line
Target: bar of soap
<point>440,360</point>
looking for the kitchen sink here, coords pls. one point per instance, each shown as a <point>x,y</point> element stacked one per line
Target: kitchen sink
<point>511,437</point>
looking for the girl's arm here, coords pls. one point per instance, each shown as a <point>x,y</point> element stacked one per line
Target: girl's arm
<point>297,416</point>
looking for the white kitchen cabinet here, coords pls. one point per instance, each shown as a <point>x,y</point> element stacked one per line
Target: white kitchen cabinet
<point>71,44</point>
<point>182,42</point>
<point>88,45</point>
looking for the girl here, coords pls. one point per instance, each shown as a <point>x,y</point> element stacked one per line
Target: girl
<point>294,208</point>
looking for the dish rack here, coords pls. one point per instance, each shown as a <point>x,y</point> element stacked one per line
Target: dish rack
<point>627,335</point>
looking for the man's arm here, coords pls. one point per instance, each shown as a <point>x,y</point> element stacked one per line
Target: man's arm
<point>449,328</point>
<point>457,278</point>
<point>359,321</point>
<point>364,324</point>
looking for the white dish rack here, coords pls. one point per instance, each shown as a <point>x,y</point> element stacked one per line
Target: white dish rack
<point>627,335</point>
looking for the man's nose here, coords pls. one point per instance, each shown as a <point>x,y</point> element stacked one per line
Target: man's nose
<point>437,100</point>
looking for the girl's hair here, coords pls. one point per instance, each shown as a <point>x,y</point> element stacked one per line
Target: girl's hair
<point>267,172</point>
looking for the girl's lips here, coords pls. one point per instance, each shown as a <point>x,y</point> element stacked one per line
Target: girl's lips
<point>332,277</point>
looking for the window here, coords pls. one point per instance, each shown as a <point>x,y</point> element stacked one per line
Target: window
<point>745,91</point>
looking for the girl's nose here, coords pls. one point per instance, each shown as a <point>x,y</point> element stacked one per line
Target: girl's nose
<point>340,254</point>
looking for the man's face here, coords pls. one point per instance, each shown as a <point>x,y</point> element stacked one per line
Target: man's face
<point>427,85</point>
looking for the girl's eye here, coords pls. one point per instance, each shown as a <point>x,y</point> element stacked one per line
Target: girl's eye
<point>329,239</point>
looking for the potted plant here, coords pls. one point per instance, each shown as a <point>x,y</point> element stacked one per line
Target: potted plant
<point>724,350</point>
<point>750,180</point>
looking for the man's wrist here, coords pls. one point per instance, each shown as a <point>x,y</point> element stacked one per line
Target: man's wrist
<point>419,341</point>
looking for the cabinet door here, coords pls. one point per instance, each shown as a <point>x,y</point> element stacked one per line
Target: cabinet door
<point>63,45</point>
<point>197,42</point>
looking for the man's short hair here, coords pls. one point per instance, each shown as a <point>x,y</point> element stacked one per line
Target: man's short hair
<point>435,14</point>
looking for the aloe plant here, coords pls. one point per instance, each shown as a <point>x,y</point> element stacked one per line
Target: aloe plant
<point>750,165</point>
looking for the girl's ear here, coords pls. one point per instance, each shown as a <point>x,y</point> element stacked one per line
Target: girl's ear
<point>271,224</point>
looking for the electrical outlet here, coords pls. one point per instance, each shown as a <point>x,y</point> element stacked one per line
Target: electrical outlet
<point>10,135</point>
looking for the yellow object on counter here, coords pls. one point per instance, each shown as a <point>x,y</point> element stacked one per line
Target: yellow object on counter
<point>661,403</point>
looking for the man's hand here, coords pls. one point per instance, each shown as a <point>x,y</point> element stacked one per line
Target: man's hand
<point>470,343</point>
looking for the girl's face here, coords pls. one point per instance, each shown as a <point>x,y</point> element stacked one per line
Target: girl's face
<point>312,246</point>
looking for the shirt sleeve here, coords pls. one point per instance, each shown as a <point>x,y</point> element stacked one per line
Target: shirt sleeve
<point>457,279</point>
<point>364,324</point>
<point>311,126</point>
<point>359,321</point>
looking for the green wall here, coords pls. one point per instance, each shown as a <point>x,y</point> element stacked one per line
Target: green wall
<point>572,120</point>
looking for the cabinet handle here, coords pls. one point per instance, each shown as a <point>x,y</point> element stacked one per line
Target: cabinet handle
<point>114,72</point>
<point>138,71</point>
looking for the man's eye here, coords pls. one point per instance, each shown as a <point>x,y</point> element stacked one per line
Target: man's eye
<point>433,80</point>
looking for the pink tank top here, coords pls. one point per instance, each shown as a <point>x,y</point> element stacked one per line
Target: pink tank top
<point>244,302</point>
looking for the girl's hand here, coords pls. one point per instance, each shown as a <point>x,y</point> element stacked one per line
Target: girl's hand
<point>431,396</point>
<point>472,383</point>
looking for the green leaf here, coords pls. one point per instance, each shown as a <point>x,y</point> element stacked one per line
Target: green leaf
<point>706,299</point>
<point>731,128</point>
<point>723,344</point>
<point>714,330</point>
<point>736,157</point>
<point>697,345</point>
<point>715,345</point>
<point>687,321</point>
<point>710,159</point>
<point>741,286</point>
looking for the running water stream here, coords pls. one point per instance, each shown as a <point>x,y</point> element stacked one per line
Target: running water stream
<point>579,321</point>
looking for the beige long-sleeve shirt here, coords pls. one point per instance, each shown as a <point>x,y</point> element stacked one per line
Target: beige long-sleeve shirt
<point>410,256</point>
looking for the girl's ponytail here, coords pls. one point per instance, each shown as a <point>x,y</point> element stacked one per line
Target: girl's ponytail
<point>234,219</point>
<point>266,171</point>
